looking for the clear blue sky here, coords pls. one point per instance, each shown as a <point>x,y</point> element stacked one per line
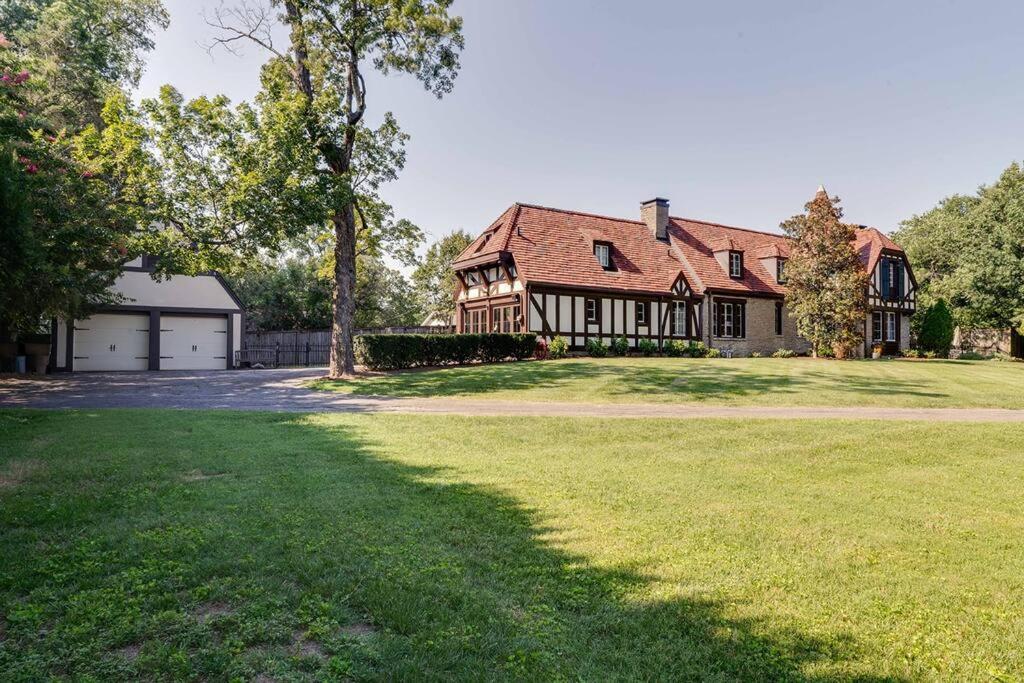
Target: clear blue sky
<point>735,111</point>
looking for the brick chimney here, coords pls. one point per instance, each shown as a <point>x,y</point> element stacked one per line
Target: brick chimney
<point>654,212</point>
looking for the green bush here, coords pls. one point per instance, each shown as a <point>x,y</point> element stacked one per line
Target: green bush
<point>756,354</point>
<point>558,348</point>
<point>713,353</point>
<point>647,347</point>
<point>972,355</point>
<point>676,348</point>
<point>935,334</point>
<point>395,351</point>
<point>596,349</point>
<point>698,350</point>
<point>620,346</point>
<point>784,353</point>
<point>911,353</point>
<point>1003,357</point>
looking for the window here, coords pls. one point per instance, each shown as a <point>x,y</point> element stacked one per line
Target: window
<point>735,264</point>
<point>592,312</point>
<point>892,278</point>
<point>780,270</point>
<point>475,321</point>
<point>729,319</point>
<point>778,318</point>
<point>473,278</point>
<point>678,318</point>
<point>505,320</point>
<point>876,326</point>
<point>603,252</point>
<point>512,270</point>
<point>641,312</point>
<point>890,327</point>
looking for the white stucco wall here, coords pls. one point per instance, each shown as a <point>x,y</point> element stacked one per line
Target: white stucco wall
<point>181,291</point>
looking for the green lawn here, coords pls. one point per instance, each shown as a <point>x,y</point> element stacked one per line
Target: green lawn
<point>738,381</point>
<point>217,545</point>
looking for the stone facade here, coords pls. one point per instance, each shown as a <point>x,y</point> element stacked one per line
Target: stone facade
<point>760,329</point>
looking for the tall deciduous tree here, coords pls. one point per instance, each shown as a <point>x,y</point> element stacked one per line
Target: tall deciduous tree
<point>434,278</point>
<point>825,279</point>
<point>969,250</point>
<point>321,76</point>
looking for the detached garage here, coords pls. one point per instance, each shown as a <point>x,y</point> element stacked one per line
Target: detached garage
<point>178,323</point>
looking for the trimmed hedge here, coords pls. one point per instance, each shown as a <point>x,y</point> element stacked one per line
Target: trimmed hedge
<point>396,351</point>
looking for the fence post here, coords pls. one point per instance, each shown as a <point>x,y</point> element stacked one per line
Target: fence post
<point>277,354</point>
<point>307,354</point>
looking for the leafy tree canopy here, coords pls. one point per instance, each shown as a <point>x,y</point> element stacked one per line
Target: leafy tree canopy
<point>825,279</point>
<point>434,279</point>
<point>969,250</point>
<point>62,227</point>
<point>82,50</point>
<point>295,294</point>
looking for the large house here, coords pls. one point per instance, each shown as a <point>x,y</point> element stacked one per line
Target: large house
<point>584,276</point>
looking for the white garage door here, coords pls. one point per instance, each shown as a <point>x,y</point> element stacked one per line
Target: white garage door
<point>112,342</point>
<point>193,343</point>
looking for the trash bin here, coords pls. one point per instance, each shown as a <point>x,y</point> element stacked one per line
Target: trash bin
<point>20,365</point>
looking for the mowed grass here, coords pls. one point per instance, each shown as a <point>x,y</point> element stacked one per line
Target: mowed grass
<point>219,545</point>
<point>736,381</point>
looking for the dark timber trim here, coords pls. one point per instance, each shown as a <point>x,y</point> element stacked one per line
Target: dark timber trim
<point>154,340</point>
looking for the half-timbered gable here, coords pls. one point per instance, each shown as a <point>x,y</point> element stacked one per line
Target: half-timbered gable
<point>584,276</point>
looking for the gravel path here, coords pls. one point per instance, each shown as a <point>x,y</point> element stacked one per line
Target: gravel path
<point>282,390</point>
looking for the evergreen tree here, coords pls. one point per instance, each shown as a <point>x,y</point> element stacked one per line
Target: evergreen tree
<point>825,278</point>
<point>936,329</point>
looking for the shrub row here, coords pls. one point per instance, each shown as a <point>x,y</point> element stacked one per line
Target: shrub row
<point>395,351</point>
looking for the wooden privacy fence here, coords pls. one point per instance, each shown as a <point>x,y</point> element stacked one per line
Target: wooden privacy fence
<point>308,348</point>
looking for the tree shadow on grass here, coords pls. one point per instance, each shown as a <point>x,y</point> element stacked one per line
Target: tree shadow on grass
<point>319,527</point>
<point>680,380</point>
<point>698,382</point>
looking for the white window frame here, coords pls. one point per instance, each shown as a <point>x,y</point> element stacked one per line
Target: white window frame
<point>877,332</point>
<point>735,264</point>
<point>727,320</point>
<point>890,326</point>
<point>591,319</point>
<point>604,255</point>
<point>641,313</point>
<point>678,318</point>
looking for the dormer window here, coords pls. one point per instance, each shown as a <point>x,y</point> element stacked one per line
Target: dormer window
<point>736,264</point>
<point>603,254</point>
<point>780,270</point>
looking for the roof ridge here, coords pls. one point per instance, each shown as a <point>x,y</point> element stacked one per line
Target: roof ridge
<point>731,227</point>
<point>578,213</point>
<point>636,222</point>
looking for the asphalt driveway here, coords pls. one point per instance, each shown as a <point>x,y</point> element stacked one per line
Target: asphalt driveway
<point>284,391</point>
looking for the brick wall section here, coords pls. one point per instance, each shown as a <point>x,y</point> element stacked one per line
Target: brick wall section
<point>760,332</point>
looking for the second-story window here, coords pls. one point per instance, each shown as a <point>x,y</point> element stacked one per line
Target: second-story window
<point>603,252</point>
<point>592,311</point>
<point>641,312</point>
<point>780,270</point>
<point>735,264</point>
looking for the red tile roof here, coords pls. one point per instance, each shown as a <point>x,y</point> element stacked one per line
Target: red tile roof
<point>555,247</point>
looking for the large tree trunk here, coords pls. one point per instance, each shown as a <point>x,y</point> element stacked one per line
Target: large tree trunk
<point>343,362</point>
